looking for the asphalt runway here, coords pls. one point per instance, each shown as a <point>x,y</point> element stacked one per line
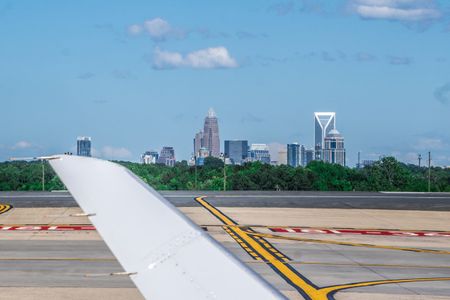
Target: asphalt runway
<point>303,265</point>
<point>349,200</point>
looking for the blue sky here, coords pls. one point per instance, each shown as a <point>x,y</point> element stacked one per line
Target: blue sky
<point>138,75</point>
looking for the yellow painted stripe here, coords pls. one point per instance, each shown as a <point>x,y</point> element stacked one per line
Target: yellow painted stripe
<point>274,236</point>
<point>280,266</point>
<point>327,290</point>
<point>312,292</point>
<point>4,208</point>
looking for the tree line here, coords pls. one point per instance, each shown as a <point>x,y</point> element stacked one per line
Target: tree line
<point>386,174</point>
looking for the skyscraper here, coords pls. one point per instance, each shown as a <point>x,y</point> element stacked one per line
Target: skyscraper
<point>302,156</point>
<point>84,146</point>
<point>236,150</point>
<point>211,139</point>
<point>334,150</point>
<point>324,122</point>
<point>293,154</point>
<point>198,143</point>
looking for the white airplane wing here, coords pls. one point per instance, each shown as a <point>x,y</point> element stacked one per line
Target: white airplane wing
<point>166,254</point>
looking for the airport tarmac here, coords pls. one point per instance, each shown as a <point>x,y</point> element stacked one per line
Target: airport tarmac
<point>372,251</point>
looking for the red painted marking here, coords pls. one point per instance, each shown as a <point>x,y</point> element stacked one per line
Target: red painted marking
<point>359,232</point>
<point>47,228</point>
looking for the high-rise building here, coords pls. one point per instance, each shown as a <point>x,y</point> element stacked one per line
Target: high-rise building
<point>236,151</point>
<point>293,154</point>
<point>150,157</point>
<point>167,156</point>
<point>302,156</point>
<point>324,122</point>
<point>198,143</point>
<point>309,156</point>
<point>84,146</point>
<point>334,150</point>
<point>259,152</point>
<point>211,139</point>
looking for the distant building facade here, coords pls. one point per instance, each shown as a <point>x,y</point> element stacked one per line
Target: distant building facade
<point>302,156</point>
<point>259,152</point>
<point>209,137</point>
<point>324,122</point>
<point>84,146</point>
<point>167,156</point>
<point>150,157</point>
<point>334,150</point>
<point>293,155</point>
<point>309,156</point>
<point>236,151</point>
<point>282,157</point>
<point>198,143</point>
<point>368,163</point>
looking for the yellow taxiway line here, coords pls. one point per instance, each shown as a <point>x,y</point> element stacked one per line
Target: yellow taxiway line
<point>4,208</point>
<point>259,247</point>
<point>279,237</point>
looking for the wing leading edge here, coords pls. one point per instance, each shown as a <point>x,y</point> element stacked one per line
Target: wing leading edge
<point>168,255</point>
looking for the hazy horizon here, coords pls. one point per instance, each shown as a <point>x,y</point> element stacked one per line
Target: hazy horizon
<point>142,76</point>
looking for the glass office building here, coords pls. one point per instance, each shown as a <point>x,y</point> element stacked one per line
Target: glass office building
<point>293,155</point>
<point>236,151</point>
<point>84,146</point>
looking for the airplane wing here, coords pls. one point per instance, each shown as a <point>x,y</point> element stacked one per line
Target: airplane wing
<point>166,255</point>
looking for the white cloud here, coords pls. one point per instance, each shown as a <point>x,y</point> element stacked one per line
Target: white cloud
<point>22,145</point>
<point>110,152</point>
<point>135,29</point>
<point>209,58</point>
<point>157,28</point>
<point>400,10</point>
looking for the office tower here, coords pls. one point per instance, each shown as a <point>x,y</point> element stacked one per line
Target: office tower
<point>236,151</point>
<point>167,156</point>
<point>84,146</point>
<point>302,156</point>
<point>293,154</point>
<point>198,142</point>
<point>259,152</point>
<point>324,122</point>
<point>334,151</point>
<point>149,157</point>
<point>211,139</point>
<point>282,157</point>
<point>309,156</point>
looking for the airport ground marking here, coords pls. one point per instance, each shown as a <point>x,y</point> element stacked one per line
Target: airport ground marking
<point>4,208</point>
<point>305,287</point>
<point>307,240</point>
<point>287,272</point>
<point>327,293</point>
<point>354,231</point>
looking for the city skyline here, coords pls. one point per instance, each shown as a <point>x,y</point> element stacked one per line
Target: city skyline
<point>132,85</point>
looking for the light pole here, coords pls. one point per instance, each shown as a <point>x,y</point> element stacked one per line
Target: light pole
<point>224,172</point>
